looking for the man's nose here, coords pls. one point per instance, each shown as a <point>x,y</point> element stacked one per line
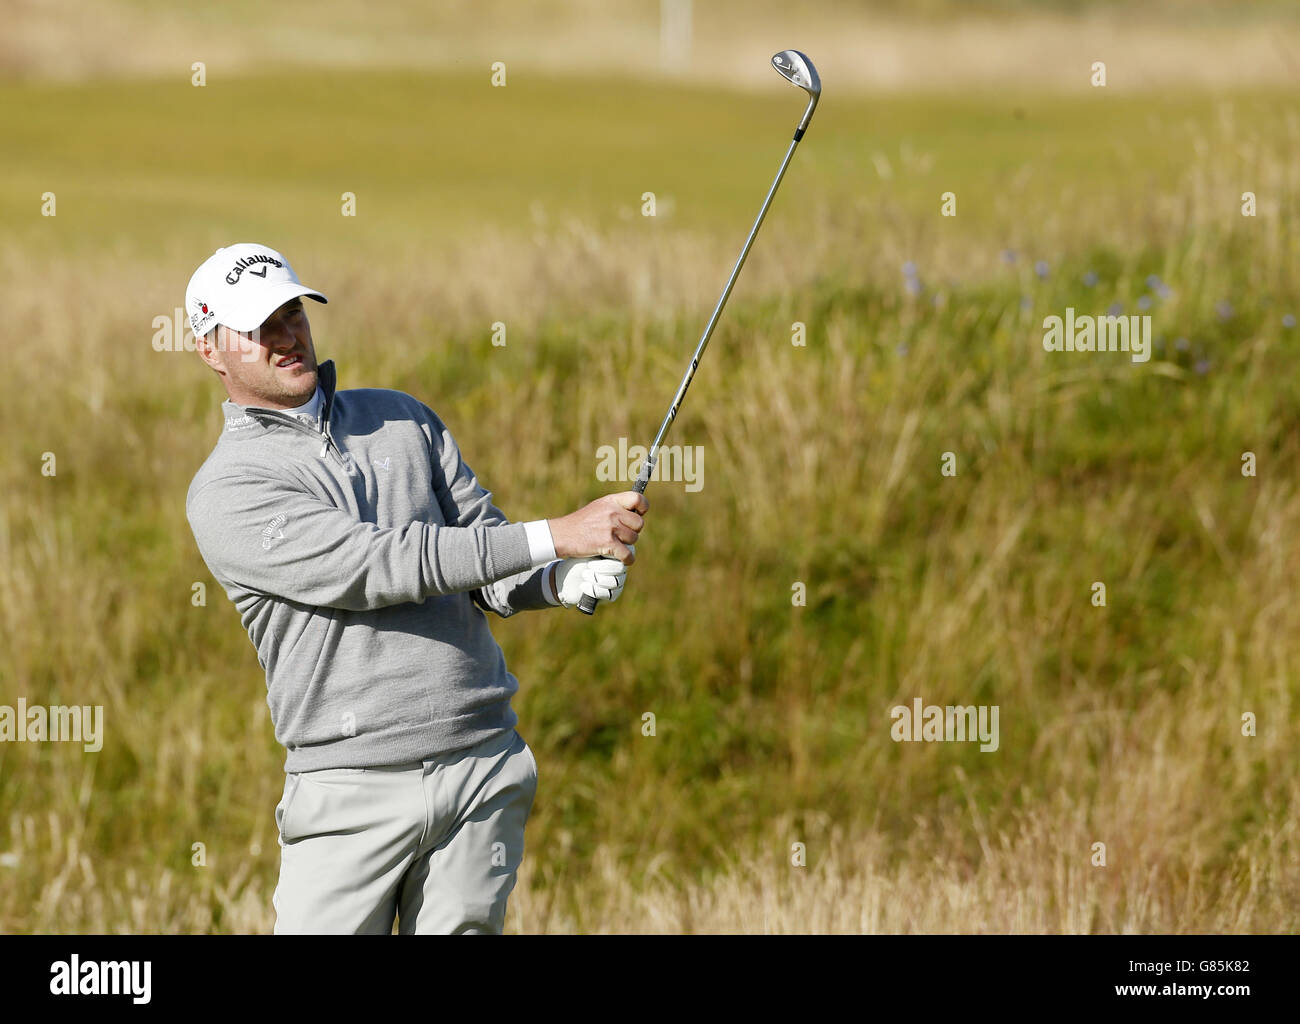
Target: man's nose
<point>281,335</point>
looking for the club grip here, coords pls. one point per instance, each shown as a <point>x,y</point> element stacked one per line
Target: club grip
<point>587,604</point>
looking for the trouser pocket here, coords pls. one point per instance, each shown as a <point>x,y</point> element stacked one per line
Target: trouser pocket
<point>292,783</point>
<point>532,758</point>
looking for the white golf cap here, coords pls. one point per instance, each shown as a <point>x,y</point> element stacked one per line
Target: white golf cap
<point>240,286</point>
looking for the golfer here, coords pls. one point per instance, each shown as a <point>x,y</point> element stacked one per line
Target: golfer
<point>362,554</point>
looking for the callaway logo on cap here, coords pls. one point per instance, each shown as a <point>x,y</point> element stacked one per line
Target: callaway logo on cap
<point>240,286</point>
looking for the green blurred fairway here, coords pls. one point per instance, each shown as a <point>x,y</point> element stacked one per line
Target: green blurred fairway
<point>475,204</point>
<point>431,158</point>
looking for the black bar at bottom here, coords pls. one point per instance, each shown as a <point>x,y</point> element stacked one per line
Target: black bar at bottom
<point>1226,976</point>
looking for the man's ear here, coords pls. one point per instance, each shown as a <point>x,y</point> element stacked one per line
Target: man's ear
<point>206,347</point>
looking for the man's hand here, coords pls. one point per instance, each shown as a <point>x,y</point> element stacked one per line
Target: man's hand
<point>601,578</point>
<point>608,527</point>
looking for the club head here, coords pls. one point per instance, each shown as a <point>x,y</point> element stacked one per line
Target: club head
<point>799,69</point>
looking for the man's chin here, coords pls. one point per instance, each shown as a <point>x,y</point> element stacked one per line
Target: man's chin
<point>288,387</point>
<point>299,380</point>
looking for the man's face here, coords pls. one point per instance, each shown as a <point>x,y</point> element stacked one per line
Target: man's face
<point>273,367</point>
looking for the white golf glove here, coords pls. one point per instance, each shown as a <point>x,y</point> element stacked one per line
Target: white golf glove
<point>601,578</point>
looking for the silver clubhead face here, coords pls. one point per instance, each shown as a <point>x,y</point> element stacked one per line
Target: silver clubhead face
<point>799,69</point>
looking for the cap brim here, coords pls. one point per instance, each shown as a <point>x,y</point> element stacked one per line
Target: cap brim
<point>268,303</point>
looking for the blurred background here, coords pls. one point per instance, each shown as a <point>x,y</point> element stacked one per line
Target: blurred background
<point>139,136</point>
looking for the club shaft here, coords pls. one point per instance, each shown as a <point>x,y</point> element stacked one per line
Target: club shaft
<point>643,478</point>
<point>797,68</point>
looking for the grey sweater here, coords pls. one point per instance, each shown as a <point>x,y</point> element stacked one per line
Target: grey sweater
<point>361,558</point>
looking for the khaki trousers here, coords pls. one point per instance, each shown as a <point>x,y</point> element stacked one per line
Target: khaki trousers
<point>434,844</point>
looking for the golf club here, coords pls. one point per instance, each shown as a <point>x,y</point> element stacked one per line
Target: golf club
<point>797,68</point>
